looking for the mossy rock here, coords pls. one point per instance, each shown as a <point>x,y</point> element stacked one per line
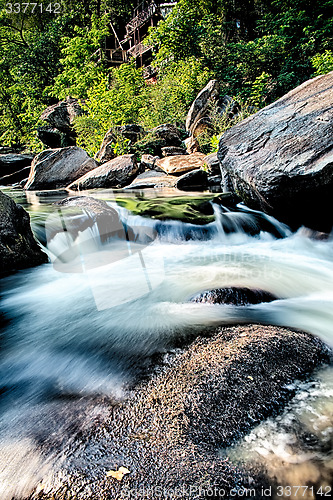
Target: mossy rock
<point>195,210</point>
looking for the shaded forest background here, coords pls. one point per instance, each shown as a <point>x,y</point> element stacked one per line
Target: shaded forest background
<point>257,49</point>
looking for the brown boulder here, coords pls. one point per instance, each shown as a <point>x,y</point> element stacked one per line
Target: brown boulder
<point>181,163</point>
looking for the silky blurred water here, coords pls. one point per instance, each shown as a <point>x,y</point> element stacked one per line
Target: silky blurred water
<point>88,334</point>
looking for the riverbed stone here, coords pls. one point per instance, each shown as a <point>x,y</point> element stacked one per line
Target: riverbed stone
<point>113,174</point>
<point>280,160</point>
<point>212,164</point>
<point>18,247</point>
<point>236,296</point>
<point>153,179</point>
<point>169,430</point>
<point>17,176</point>
<point>56,168</point>
<point>195,180</point>
<point>173,151</point>
<point>13,162</point>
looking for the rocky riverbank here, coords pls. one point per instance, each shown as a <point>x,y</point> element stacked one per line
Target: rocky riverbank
<point>278,160</point>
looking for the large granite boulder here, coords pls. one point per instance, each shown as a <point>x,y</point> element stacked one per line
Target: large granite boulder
<point>130,131</point>
<point>115,173</point>
<point>180,164</point>
<point>106,151</point>
<point>56,168</point>
<point>62,115</point>
<point>54,138</point>
<point>200,105</point>
<point>13,162</point>
<point>18,247</point>
<point>59,131</point>
<point>280,160</point>
<point>168,133</point>
<point>165,135</point>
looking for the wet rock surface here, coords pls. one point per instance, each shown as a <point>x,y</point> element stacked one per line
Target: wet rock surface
<point>169,430</point>
<point>234,295</point>
<point>17,176</point>
<point>194,180</point>
<point>18,247</point>
<point>152,179</point>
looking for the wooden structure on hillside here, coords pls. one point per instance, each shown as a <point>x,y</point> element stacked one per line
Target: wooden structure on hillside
<point>146,15</point>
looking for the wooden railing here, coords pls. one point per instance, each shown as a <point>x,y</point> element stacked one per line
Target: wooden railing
<point>144,12</point>
<point>139,49</point>
<point>117,56</point>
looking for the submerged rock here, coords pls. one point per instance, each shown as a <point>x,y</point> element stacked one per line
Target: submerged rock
<point>234,296</point>
<point>169,431</point>
<point>196,210</point>
<point>18,247</point>
<point>280,160</point>
<point>56,168</point>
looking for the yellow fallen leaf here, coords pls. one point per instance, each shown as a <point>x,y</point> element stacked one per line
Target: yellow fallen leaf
<point>251,378</point>
<point>118,474</point>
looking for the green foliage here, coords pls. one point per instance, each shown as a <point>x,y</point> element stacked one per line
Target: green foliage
<point>259,90</point>
<point>114,100</point>
<point>124,97</point>
<point>323,63</point>
<point>169,99</point>
<point>81,68</point>
<point>257,49</point>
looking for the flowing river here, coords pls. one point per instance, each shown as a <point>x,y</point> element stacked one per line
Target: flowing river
<point>87,324</point>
